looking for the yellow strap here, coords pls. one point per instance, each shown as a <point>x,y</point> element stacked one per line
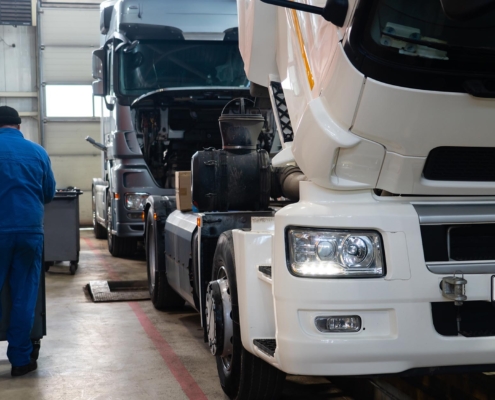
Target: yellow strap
<point>303,49</point>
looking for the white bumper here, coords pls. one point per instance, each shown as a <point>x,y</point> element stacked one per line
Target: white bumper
<point>398,332</point>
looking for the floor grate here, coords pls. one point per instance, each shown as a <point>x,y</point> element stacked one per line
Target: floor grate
<point>107,291</point>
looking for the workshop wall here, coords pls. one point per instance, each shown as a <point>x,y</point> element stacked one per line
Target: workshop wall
<point>18,75</point>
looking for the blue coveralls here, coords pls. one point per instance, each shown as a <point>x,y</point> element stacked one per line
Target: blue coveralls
<point>26,184</point>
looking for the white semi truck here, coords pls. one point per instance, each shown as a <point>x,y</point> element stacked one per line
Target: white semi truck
<point>147,46</point>
<point>377,257</point>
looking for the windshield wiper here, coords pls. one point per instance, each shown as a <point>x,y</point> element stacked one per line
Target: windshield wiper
<point>445,46</point>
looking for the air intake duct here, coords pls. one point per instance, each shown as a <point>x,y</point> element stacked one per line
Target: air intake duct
<point>285,182</point>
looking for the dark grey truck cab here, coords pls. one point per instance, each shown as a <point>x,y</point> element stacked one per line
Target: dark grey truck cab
<point>149,46</point>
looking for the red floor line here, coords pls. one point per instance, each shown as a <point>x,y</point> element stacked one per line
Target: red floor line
<point>174,364</point>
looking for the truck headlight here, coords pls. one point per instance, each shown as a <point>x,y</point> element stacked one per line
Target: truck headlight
<point>330,253</point>
<point>135,201</point>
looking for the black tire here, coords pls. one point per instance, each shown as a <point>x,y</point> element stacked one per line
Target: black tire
<point>195,263</point>
<point>245,377</point>
<point>118,246</point>
<point>162,295</point>
<point>99,230</point>
<point>121,247</point>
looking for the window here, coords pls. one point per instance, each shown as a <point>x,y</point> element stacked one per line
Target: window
<point>71,101</point>
<point>154,65</point>
<point>415,44</point>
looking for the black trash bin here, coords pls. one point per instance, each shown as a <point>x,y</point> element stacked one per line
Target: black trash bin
<point>62,229</point>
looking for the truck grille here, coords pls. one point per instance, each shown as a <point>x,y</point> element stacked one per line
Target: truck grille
<point>477,318</point>
<point>458,242</point>
<point>461,164</point>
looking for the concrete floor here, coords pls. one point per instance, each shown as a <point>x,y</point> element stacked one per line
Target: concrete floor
<point>123,350</point>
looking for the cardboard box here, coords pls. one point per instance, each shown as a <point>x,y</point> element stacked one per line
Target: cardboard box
<point>183,190</point>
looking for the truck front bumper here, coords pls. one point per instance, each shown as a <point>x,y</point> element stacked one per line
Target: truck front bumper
<point>398,333</point>
<point>129,229</point>
<point>130,178</point>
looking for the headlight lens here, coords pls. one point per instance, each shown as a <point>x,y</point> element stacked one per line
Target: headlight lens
<point>135,201</point>
<point>335,253</point>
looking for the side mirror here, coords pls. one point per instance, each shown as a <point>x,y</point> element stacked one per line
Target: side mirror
<point>335,11</point>
<point>105,19</point>
<point>99,72</point>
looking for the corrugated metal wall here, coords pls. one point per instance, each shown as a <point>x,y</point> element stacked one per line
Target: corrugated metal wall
<point>68,35</point>
<point>18,84</point>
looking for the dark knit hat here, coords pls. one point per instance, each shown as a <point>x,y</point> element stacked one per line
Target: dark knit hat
<point>9,116</point>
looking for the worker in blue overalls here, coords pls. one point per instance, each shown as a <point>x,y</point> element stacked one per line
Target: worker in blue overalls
<point>26,184</point>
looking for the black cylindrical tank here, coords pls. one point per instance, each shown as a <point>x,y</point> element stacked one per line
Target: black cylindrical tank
<point>236,178</point>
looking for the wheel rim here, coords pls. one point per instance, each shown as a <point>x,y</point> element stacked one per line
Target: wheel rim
<point>94,211</point>
<point>227,360</point>
<point>151,256</point>
<point>109,225</point>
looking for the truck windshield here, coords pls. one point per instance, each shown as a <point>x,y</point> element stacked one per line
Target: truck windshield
<point>153,65</point>
<point>402,41</point>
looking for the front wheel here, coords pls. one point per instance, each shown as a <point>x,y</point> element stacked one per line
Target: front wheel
<point>162,295</point>
<point>243,376</point>
<point>121,247</point>
<point>99,231</point>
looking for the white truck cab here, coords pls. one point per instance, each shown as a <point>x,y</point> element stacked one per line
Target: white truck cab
<point>386,263</point>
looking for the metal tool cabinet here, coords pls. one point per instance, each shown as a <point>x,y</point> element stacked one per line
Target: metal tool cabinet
<point>62,229</point>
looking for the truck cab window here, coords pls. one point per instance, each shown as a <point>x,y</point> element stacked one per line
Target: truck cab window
<point>415,44</point>
<point>153,65</point>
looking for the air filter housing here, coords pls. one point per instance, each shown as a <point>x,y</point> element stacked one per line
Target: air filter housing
<point>236,178</point>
